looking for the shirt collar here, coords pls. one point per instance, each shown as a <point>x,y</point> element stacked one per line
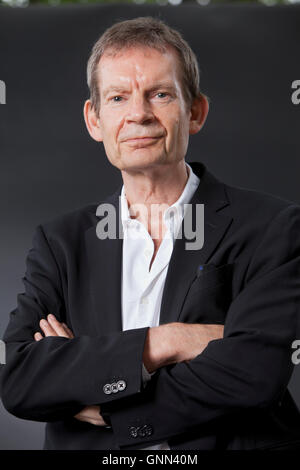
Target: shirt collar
<point>177,208</point>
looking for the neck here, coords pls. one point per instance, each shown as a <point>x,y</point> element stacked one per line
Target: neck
<point>159,185</point>
<point>150,192</point>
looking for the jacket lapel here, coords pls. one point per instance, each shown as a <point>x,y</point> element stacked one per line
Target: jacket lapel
<point>183,263</point>
<point>105,262</point>
<point>105,256</point>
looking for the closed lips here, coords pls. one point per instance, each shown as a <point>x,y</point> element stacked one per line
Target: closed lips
<point>145,137</point>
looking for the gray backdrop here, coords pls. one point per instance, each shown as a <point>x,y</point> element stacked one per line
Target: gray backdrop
<point>249,56</point>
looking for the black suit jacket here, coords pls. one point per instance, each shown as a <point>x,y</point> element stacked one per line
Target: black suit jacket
<point>232,396</point>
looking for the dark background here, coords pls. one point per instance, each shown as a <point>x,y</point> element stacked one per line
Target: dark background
<point>249,57</point>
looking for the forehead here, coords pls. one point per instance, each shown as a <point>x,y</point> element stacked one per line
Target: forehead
<point>143,64</point>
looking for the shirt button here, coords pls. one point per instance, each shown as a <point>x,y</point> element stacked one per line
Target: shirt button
<point>144,300</point>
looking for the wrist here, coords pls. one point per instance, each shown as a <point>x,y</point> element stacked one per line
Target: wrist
<point>160,347</point>
<point>170,347</point>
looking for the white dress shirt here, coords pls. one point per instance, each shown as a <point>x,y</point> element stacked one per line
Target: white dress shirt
<point>142,289</point>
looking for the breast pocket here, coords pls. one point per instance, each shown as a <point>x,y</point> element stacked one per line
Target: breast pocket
<point>209,296</point>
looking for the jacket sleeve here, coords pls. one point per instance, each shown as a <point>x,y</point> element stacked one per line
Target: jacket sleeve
<point>248,368</point>
<point>54,378</point>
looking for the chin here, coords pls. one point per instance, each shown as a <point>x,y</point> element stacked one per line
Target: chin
<point>140,159</point>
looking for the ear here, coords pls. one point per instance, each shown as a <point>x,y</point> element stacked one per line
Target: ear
<point>92,121</point>
<point>198,113</point>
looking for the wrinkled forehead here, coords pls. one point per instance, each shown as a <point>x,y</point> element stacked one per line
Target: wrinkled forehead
<point>146,64</point>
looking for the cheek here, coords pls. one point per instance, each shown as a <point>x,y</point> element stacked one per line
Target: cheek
<point>110,127</point>
<point>179,128</point>
<point>180,133</point>
<point>172,126</point>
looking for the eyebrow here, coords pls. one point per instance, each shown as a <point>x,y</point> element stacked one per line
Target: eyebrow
<point>157,86</point>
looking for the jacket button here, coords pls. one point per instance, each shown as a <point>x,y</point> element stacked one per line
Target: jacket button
<point>149,430</point>
<point>145,430</point>
<point>107,389</point>
<point>133,431</point>
<point>114,388</point>
<point>121,384</point>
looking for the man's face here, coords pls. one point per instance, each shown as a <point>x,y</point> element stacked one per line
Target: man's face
<point>143,119</point>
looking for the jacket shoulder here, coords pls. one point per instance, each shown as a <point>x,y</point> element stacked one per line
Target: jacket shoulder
<point>71,225</point>
<point>257,204</point>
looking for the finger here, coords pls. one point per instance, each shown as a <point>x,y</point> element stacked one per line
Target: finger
<point>38,336</point>
<point>95,422</point>
<point>89,412</point>
<point>81,414</point>
<point>47,328</point>
<point>57,326</point>
<point>70,332</point>
<point>79,417</point>
<point>95,409</point>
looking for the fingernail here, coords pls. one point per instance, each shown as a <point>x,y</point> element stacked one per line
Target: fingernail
<point>50,316</point>
<point>43,322</point>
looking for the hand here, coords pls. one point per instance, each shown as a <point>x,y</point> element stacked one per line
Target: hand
<point>52,327</point>
<point>177,342</point>
<point>192,339</point>
<point>91,414</point>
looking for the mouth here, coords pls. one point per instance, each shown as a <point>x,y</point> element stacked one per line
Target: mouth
<point>142,141</point>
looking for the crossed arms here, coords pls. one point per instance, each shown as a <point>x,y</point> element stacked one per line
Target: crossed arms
<point>57,377</point>
<point>164,345</point>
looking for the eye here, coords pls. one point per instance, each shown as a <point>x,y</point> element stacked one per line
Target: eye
<point>116,99</point>
<point>162,93</point>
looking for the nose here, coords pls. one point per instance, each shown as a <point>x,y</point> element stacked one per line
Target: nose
<point>139,110</point>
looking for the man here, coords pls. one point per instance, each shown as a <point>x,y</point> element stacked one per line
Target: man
<point>151,343</point>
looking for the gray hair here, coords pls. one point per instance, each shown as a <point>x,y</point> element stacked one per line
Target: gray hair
<point>144,31</point>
